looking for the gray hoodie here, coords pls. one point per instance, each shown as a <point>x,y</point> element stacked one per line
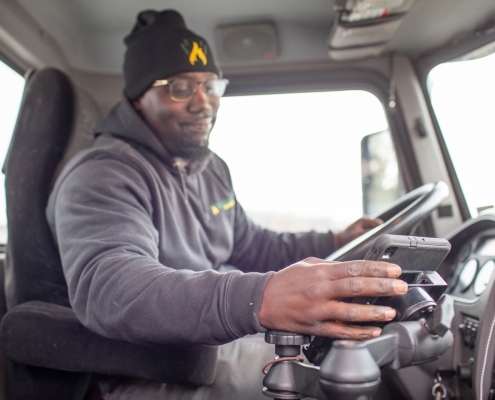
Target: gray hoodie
<point>142,241</point>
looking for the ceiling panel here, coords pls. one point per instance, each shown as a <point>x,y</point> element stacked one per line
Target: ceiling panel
<point>90,32</point>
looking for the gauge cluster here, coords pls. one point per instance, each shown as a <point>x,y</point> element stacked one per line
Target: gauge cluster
<point>474,267</point>
<point>468,369</point>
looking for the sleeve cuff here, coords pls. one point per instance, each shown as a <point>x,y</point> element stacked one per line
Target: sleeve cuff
<point>243,302</point>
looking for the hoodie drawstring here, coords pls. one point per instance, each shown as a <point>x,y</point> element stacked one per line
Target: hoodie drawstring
<point>206,210</point>
<point>182,176</point>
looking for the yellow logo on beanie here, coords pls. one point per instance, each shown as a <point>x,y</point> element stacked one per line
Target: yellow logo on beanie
<point>197,51</point>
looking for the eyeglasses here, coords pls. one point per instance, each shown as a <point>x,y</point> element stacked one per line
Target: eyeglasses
<point>182,89</point>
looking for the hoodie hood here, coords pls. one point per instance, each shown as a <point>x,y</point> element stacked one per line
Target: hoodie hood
<point>123,121</point>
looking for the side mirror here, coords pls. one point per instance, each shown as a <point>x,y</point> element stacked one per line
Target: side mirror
<point>381,178</point>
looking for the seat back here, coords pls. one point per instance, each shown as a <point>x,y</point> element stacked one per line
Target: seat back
<point>55,120</point>
<point>51,354</point>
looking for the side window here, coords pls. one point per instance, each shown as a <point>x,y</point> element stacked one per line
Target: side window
<point>301,161</point>
<point>12,86</point>
<point>462,94</point>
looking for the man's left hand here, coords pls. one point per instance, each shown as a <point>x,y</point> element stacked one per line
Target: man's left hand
<point>354,230</point>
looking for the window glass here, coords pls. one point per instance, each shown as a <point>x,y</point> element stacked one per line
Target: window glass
<point>462,94</point>
<point>295,159</point>
<point>12,85</point>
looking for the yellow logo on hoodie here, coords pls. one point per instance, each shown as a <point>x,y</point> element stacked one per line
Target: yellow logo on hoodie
<point>196,51</point>
<point>226,204</point>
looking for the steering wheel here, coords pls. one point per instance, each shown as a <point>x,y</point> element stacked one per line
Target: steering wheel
<point>400,218</point>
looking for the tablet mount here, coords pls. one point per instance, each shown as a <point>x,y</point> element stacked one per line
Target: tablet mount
<point>351,369</point>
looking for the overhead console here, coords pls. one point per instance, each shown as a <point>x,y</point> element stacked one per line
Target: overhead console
<point>362,28</point>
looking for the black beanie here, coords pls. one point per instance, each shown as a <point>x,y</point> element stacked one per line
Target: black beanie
<point>160,46</point>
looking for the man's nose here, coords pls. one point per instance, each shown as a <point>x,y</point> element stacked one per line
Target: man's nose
<point>199,100</point>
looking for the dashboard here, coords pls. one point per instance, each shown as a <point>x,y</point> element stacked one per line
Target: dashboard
<point>467,368</point>
<point>473,268</point>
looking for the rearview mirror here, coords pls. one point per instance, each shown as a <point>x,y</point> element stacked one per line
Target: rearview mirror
<point>381,180</point>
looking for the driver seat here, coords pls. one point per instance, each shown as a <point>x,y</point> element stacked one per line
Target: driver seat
<point>50,354</point>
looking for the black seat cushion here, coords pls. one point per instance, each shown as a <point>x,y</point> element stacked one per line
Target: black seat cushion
<point>48,335</point>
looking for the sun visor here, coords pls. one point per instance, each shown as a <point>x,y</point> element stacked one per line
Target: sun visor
<point>362,28</point>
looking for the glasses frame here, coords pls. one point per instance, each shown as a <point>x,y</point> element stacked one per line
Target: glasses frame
<point>169,83</point>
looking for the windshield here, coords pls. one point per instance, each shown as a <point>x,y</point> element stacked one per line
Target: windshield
<point>463,98</point>
<point>296,158</point>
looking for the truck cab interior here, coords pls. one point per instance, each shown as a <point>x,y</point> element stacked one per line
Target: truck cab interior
<point>334,109</point>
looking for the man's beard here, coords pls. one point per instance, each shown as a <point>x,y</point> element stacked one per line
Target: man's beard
<point>192,151</point>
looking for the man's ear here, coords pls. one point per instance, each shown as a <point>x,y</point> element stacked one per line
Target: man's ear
<point>137,104</point>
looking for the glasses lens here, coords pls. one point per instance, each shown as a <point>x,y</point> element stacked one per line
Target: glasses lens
<point>216,87</point>
<point>182,88</point>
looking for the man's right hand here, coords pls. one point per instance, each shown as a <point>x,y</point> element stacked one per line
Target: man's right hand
<point>305,297</point>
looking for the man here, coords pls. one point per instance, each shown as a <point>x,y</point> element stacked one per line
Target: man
<point>154,245</point>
